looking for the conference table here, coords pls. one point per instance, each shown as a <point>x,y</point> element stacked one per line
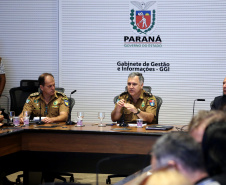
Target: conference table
<point>68,148</point>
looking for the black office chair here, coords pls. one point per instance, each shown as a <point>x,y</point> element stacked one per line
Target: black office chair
<point>159,103</point>
<point>18,95</point>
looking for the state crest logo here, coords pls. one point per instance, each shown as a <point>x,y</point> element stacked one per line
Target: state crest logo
<point>143,16</point>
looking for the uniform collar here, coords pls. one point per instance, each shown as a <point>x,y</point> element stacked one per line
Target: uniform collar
<point>140,97</point>
<point>53,97</point>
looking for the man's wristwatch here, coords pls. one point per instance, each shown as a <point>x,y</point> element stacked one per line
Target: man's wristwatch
<point>138,111</point>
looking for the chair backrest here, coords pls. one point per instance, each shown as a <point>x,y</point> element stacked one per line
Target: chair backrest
<point>29,85</point>
<point>60,89</point>
<point>18,98</point>
<point>159,103</point>
<point>18,95</point>
<point>71,102</point>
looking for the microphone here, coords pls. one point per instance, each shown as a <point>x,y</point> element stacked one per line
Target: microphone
<point>73,92</point>
<point>194,104</point>
<point>40,122</point>
<point>201,100</point>
<point>69,122</point>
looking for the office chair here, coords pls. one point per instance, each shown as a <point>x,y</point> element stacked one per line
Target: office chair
<point>159,103</point>
<point>18,95</point>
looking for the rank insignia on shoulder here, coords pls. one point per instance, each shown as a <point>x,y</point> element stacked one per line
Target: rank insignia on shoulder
<point>27,101</point>
<point>35,94</point>
<point>152,102</point>
<point>64,95</point>
<point>66,103</point>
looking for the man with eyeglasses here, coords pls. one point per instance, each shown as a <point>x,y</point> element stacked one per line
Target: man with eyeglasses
<point>135,103</point>
<point>53,104</point>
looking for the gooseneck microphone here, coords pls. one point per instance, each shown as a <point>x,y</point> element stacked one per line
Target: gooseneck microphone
<point>40,122</point>
<point>194,104</point>
<point>69,122</point>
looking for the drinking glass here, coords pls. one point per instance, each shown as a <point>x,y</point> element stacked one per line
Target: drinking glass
<point>11,115</point>
<point>26,117</point>
<point>101,116</point>
<point>80,116</point>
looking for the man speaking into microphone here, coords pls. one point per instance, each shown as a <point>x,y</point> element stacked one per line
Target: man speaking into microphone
<point>135,103</point>
<point>48,103</point>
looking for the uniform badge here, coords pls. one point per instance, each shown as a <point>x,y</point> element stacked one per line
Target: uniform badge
<point>152,102</point>
<point>143,104</point>
<point>66,102</point>
<point>55,103</point>
<point>27,101</point>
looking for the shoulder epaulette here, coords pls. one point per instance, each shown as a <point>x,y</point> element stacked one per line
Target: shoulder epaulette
<point>61,93</point>
<point>148,94</point>
<point>35,94</point>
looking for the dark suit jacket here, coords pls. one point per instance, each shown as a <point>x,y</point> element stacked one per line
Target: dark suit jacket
<point>219,102</point>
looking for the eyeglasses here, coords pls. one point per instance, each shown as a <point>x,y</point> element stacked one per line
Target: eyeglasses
<point>183,128</point>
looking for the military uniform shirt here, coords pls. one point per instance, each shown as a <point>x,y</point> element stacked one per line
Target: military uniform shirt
<point>57,104</point>
<point>146,103</point>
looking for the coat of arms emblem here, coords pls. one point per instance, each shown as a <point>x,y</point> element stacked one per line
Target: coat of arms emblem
<point>143,16</point>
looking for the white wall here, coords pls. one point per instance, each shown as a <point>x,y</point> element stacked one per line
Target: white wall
<point>28,40</point>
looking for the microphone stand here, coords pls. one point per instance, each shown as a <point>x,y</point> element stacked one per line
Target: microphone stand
<point>194,104</point>
<point>40,122</point>
<point>69,122</point>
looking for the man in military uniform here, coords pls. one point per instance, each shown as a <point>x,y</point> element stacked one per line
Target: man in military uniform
<point>54,105</point>
<point>135,103</point>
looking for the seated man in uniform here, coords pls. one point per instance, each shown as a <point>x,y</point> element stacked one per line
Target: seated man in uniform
<point>135,103</point>
<point>53,104</point>
<point>219,102</point>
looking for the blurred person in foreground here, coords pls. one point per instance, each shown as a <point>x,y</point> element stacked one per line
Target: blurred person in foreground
<point>182,152</point>
<point>53,104</point>
<point>135,103</point>
<point>214,149</point>
<point>201,120</point>
<point>166,176</point>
